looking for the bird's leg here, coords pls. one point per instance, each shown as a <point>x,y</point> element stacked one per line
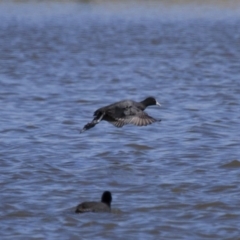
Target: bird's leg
<point>100,117</point>
<point>95,121</point>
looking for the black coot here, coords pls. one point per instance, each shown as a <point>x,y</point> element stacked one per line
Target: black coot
<point>124,112</point>
<point>103,206</point>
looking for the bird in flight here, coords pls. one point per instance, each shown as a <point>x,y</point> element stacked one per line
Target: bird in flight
<point>124,112</point>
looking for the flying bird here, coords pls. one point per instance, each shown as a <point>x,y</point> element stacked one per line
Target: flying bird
<point>124,112</point>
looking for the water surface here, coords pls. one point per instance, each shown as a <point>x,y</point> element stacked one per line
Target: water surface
<point>177,179</point>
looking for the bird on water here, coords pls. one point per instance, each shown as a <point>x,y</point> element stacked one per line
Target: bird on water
<point>124,112</point>
<point>103,206</point>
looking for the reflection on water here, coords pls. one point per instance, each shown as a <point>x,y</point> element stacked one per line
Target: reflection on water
<point>61,60</point>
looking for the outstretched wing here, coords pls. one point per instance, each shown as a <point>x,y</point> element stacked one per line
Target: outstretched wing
<point>130,115</point>
<point>142,119</point>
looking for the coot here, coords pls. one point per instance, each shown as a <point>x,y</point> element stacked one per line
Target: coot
<point>124,112</point>
<point>103,206</point>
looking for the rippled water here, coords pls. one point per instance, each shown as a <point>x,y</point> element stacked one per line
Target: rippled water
<point>177,179</point>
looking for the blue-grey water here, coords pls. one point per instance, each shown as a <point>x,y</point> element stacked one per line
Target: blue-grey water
<point>177,179</point>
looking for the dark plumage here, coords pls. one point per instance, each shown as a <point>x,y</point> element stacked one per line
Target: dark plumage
<point>103,206</point>
<point>124,112</point>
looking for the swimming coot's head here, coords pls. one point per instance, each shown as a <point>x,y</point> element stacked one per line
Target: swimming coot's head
<point>107,198</point>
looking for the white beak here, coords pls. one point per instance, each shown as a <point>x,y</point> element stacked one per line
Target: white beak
<point>157,103</point>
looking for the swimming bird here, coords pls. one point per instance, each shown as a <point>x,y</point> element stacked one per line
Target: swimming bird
<point>103,206</point>
<point>124,112</point>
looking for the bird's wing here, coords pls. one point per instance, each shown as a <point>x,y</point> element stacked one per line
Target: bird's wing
<point>116,115</point>
<point>118,123</point>
<point>131,115</point>
<point>92,207</point>
<point>84,207</point>
<point>141,120</point>
<point>138,117</point>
